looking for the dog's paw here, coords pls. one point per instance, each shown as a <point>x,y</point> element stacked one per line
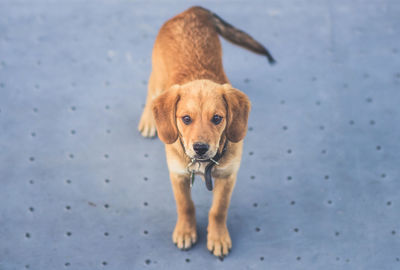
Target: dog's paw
<point>147,126</point>
<point>219,242</point>
<point>184,236</point>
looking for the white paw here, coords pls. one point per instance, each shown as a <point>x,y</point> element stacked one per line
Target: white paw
<point>147,126</point>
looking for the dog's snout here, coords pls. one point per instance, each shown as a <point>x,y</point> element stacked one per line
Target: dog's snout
<point>200,148</point>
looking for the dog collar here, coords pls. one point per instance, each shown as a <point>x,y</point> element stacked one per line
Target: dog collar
<point>211,163</point>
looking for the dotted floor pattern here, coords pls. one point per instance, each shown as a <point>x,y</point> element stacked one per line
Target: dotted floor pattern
<point>319,182</point>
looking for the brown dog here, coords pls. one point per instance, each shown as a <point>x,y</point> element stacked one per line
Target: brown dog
<point>199,116</point>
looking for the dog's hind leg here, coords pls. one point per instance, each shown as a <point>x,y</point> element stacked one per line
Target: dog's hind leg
<point>147,124</point>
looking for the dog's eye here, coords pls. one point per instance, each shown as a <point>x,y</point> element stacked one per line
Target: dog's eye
<point>216,119</point>
<point>186,120</point>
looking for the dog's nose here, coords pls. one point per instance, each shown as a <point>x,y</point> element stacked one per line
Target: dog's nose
<point>200,148</point>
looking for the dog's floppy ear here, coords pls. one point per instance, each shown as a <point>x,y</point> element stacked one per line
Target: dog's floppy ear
<point>238,108</point>
<point>164,109</point>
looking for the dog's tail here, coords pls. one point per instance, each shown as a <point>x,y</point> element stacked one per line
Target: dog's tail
<point>238,37</point>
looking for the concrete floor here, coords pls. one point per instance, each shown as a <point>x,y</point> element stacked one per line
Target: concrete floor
<point>319,183</point>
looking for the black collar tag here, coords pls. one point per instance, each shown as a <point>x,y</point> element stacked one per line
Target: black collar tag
<point>213,162</point>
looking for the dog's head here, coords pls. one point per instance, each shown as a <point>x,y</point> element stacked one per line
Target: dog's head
<point>201,112</point>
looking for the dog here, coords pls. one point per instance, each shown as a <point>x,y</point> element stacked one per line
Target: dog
<point>199,116</point>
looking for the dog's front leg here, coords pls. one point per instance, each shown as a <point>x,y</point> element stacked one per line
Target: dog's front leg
<point>218,239</point>
<point>184,235</point>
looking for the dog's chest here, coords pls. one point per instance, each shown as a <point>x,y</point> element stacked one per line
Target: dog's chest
<point>197,168</point>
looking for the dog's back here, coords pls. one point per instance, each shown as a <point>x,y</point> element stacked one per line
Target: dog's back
<point>190,49</point>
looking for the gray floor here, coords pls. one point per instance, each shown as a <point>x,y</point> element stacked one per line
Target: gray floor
<point>319,182</point>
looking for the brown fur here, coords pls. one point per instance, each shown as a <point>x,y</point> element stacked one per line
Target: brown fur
<point>188,79</point>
